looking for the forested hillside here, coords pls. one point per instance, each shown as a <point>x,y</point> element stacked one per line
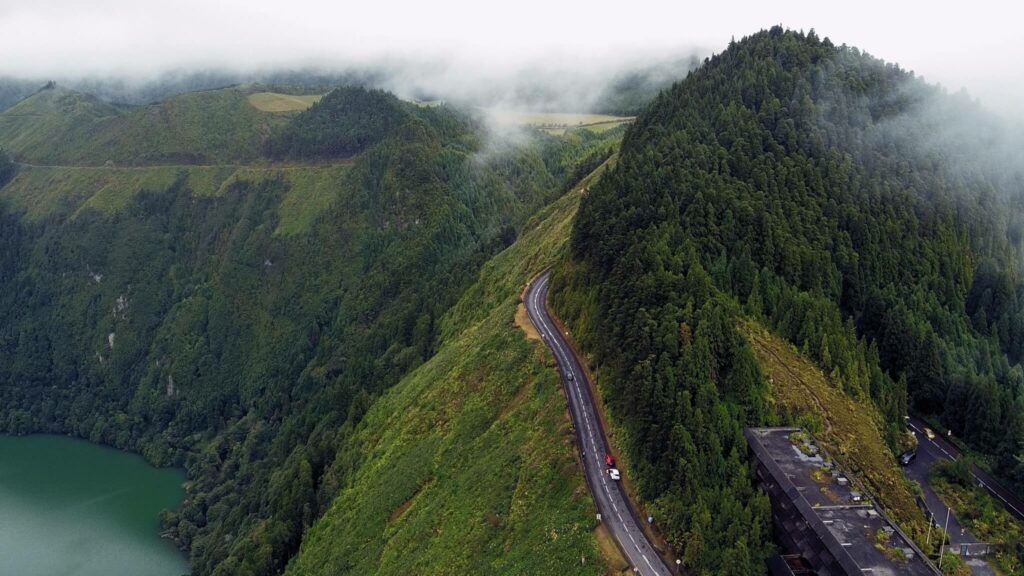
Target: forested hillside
<point>850,207</point>
<point>343,123</point>
<point>241,322</point>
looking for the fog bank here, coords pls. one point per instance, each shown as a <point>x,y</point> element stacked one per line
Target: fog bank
<point>960,47</point>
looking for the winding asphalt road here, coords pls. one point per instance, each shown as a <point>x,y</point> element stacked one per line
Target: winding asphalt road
<point>617,513</point>
<point>940,448</point>
<point>928,452</point>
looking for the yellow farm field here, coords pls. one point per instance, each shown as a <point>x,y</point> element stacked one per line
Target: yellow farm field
<point>557,121</point>
<point>274,102</point>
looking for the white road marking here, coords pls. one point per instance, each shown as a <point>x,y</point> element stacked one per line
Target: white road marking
<point>975,476</point>
<point>582,407</point>
<point>996,494</point>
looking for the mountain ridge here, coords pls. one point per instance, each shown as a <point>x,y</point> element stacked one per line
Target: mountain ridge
<point>803,184</point>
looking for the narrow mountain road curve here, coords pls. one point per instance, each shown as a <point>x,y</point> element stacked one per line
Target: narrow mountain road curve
<point>928,452</point>
<point>617,512</point>
<point>939,448</point>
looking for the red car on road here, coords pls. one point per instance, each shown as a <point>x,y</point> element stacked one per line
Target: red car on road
<point>609,460</point>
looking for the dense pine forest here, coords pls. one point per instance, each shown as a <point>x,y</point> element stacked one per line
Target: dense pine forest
<point>846,204</point>
<point>206,330</point>
<point>339,125</point>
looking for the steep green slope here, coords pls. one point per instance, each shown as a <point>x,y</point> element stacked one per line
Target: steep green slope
<point>212,127</point>
<point>68,192</point>
<point>61,127</point>
<point>13,90</point>
<point>831,196</point>
<point>7,168</point>
<point>467,466</point>
<point>52,123</point>
<point>240,321</point>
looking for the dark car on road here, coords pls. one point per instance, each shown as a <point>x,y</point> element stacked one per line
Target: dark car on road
<point>907,457</point>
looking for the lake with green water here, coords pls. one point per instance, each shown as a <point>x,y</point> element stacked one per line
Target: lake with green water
<point>71,508</point>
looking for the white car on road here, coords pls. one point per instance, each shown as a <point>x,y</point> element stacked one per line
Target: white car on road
<point>614,474</point>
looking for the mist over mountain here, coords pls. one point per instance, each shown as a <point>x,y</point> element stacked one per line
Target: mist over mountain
<point>121,39</point>
<point>622,88</point>
<point>286,249</point>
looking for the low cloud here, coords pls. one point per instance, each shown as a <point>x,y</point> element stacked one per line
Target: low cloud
<point>475,48</point>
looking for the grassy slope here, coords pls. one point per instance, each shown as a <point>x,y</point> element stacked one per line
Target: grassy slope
<point>469,463</point>
<point>51,122</point>
<point>61,127</point>
<point>277,102</point>
<point>66,191</point>
<point>848,429</point>
<point>557,123</point>
<point>986,519</point>
<point>206,127</point>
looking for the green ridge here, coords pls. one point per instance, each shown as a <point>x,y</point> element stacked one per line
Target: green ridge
<point>61,127</point>
<point>467,466</point>
<point>839,201</point>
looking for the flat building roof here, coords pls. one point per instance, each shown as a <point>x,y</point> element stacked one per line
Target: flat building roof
<point>861,539</point>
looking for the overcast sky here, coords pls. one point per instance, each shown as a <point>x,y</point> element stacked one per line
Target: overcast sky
<point>959,44</point>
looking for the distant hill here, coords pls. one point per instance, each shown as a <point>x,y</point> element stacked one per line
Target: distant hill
<point>62,127</point>
<point>344,122</point>
<point>52,123</point>
<point>144,91</point>
<point>13,90</point>
<point>631,91</point>
<point>870,219</point>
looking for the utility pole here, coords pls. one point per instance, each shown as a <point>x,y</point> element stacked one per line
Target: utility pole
<point>944,534</point>
<point>931,521</point>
